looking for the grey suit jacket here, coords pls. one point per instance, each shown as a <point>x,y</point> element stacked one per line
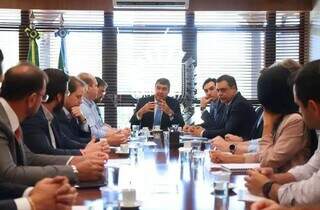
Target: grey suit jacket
<point>19,165</point>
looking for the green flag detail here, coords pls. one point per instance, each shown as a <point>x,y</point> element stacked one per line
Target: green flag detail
<point>33,53</point>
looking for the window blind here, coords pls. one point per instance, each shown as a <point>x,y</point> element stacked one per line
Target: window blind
<point>149,45</point>
<point>230,43</point>
<point>83,43</point>
<point>9,33</point>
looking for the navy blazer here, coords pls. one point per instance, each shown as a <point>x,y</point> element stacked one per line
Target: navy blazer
<point>8,205</point>
<point>147,118</point>
<point>239,117</point>
<point>37,137</point>
<point>71,128</point>
<point>8,192</point>
<point>209,122</point>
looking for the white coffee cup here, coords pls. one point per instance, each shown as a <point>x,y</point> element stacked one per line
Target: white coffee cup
<point>129,197</point>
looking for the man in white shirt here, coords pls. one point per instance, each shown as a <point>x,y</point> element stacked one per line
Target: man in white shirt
<point>300,184</point>
<point>98,128</point>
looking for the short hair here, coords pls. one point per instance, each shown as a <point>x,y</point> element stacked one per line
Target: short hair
<point>57,83</point>
<point>87,78</point>
<point>307,83</point>
<point>209,80</point>
<point>101,82</point>
<point>22,80</point>
<point>163,81</point>
<point>275,89</point>
<point>229,79</point>
<point>74,83</point>
<point>1,60</point>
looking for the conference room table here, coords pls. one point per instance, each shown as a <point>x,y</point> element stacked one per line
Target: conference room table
<point>161,182</point>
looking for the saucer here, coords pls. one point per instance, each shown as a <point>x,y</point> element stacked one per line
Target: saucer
<point>134,205</point>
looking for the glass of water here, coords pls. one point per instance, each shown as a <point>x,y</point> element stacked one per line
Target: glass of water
<point>221,180</point>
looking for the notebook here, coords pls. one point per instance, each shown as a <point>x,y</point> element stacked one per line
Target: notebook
<point>239,167</point>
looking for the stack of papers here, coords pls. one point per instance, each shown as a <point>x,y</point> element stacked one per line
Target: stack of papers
<point>240,167</point>
<point>245,195</point>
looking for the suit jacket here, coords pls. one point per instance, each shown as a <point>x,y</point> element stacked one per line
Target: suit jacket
<point>19,165</point>
<point>37,137</point>
<point>256,131</point>
<point>147,118</point>
<point>8,205</point>
<point>71,128</point>
<point>239,117</point>
<point>10,190</point>
<point>211,122</point>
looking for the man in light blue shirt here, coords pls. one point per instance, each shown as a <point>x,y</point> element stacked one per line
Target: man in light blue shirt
<point>98,128</point>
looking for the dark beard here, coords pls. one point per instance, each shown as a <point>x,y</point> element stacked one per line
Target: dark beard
<point>59,106</point>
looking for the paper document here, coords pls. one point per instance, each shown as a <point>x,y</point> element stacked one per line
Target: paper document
<point>79,208</point>
<point>240,167</point>
<point>245,195</point>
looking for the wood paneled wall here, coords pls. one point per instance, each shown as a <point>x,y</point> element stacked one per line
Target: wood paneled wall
<point>195,5</point>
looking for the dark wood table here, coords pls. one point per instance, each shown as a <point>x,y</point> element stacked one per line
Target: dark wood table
<point>162,183</point>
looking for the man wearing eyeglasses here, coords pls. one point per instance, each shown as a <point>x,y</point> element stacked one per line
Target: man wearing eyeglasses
<point>21,95</point>
<point>42,132</point>
<point>239,115</point>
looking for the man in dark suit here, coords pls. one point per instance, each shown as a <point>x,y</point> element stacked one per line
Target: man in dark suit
<point>159,109</point>
<point>239,115</point>
<point>72,122</point>
<point>212,119</point>
<point>22,90</point>
<point>49,193</point>
<point>42,131</point>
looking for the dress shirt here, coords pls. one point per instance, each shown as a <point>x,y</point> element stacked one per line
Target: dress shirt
<point>253,145</point>
<point>305,189</point>
<point>84,126</point>
<point>23,203</point>
<point>13,118</point>
<point>89,110</point>
<point>49,118</point>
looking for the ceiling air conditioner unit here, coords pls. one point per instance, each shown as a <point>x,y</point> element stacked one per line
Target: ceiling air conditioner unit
<point>151,4</point>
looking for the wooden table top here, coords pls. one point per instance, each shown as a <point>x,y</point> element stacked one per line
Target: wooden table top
<point>162,183</point>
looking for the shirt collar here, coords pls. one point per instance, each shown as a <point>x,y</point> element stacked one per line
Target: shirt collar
<point>88,101</point>
<point>13,118</point>
<point>67,113</point>
<point>47,113</point>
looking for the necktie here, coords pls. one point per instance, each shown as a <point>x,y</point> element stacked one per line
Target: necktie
<point>52,137</point>
<point>213,110</point>
<point>18,134</point>
<point>157,116</point>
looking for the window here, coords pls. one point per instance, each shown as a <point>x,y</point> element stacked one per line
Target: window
<point>83,43</point>
<point>149,47</point>
<point>287,36</point>
<point>9,42</point>
<point>230,43</point>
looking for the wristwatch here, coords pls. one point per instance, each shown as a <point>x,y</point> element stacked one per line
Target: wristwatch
<point>266,189</point>
<point>232,148</point>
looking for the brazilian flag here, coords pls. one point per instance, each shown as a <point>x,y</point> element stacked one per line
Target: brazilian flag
<point>33,53</point>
